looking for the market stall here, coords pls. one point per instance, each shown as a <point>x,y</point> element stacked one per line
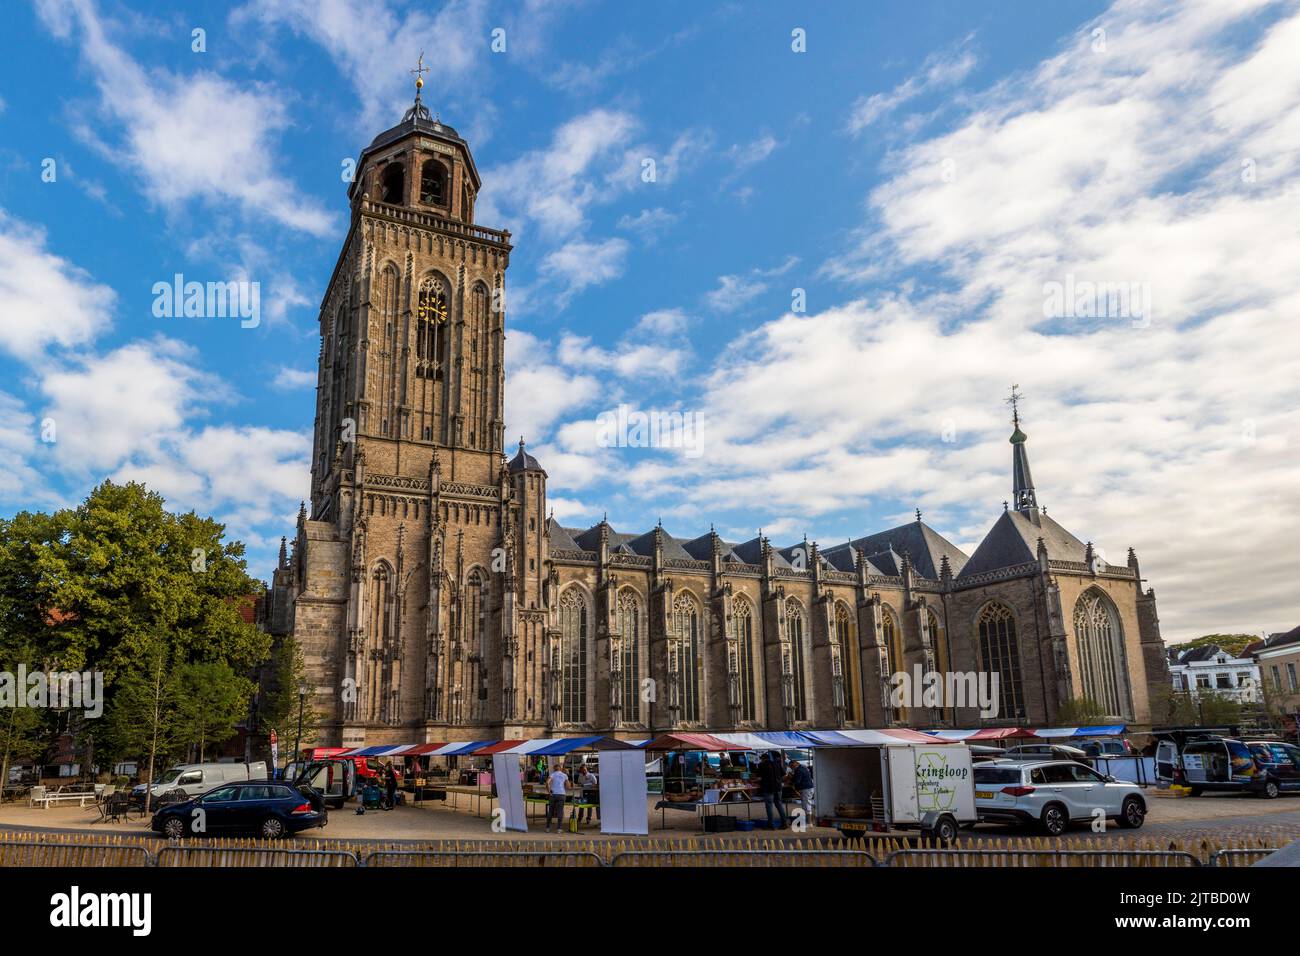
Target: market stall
<point>619,787</point>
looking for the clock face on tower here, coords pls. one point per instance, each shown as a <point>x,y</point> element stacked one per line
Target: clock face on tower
<point>432,304</point>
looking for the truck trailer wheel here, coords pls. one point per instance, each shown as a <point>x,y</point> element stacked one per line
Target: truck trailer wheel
<point>944,830</point>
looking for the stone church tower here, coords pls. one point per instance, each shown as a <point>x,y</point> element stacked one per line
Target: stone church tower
<point>417,569</point>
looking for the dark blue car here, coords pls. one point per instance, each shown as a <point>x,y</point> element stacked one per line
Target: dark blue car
<point>270,809</point>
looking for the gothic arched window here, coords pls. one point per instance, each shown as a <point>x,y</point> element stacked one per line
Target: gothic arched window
<point>686,631</point>
<point>433,183</point>
<point>430,328</point>
<point>573,657</point>
<point>382,611</point>
<point>392,184</point>
<point>795,631</point>
<point>475,623</point>
<point>1101,654</point>
<point>1000,654</point>
<point>742,623</point>
<point>891,655</point>
<point>629,624</point>
<point>846,631</point>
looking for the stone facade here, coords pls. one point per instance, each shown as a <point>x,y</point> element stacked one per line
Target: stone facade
<point>434,600</point>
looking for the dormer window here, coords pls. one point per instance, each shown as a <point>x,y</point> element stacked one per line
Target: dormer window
<point>392,185</point>
<point>433,183</point>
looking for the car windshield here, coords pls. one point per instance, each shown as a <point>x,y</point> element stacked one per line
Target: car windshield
<point>997,774</point>
<point>170,776</point>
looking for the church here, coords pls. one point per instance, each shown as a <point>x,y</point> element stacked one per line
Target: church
<point>433,599</point>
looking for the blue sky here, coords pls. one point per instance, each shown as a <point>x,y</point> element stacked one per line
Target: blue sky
<point>920,171</point>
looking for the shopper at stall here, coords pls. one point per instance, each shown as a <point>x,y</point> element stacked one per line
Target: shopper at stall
<point>390,788</point>
<point>801,779</point>
<point>557,787</point>
<point>770,783</point>
<point>590,785</point>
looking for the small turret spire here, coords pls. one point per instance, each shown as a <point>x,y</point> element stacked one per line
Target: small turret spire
<point>1022,482</point>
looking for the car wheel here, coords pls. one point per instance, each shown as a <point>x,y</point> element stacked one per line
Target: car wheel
<point>1054,819</point>
<point>174,828</point>
<point>1195,792</point>
<point>1132,814</point>
<point>1271,790</point>
<point>272,828</point>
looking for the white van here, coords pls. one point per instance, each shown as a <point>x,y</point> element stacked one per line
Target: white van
<point>196,778</point>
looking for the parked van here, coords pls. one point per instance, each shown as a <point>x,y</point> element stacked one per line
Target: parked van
<point>197,778</point>
<point>1211,762</point>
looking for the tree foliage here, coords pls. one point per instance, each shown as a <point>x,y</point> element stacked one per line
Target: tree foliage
<point>150,599</point>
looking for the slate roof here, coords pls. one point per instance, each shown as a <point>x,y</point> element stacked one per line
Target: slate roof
<point>1013,540</point>
<point>524,461</point>
<point>925,546</point>
<point>560,537</point>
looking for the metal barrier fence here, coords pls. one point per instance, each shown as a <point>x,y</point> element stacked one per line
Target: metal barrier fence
<point>529,858</point>
<point>219,856</point>
<point>950,857</point>
<point>1226,858</point>
<point>741,857</point>
<point>45,853</point>
<point>78,853</point>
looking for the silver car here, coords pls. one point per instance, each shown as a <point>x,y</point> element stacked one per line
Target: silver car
<point>1053,794</point>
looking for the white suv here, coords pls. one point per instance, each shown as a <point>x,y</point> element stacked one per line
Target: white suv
<point>1054,794</point>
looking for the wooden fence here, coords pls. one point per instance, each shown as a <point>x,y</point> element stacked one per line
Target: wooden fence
<point>86,850</point>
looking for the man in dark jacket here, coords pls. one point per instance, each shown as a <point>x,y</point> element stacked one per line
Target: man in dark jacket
<point>801,779</point>
<point>770,783</point>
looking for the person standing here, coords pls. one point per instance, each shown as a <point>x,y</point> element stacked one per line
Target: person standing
<point>557,787</point>
<point>801,779</point>
<point>770,782</point>
<point>590,785</point>
<point>390,788</point>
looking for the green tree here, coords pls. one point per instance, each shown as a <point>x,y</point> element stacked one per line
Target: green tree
<point>143,715</point>
<point>213,700</point>
<point>1234,644</point>
<point>279,697</point>
<point>1080,712</point>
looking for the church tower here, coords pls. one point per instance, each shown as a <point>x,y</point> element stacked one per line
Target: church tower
<point>409,562</point>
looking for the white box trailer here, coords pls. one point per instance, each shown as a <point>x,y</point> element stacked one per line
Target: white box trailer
<point>892,786</point>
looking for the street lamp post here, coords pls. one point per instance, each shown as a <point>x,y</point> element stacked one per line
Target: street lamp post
<point>302,699</point>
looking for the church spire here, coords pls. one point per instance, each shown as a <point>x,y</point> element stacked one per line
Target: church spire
<point>1022,482</point>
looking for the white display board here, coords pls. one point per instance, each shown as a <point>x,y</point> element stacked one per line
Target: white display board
<point>510,791</point>
<point>623,792</point>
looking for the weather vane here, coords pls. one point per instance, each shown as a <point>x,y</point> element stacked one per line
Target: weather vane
<point>1014,402</point>
<point>420,69</point>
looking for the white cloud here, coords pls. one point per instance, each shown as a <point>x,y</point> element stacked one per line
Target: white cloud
<point>44,299</point>
<point>734,292</point>
<point>555,185</point>
<point>135,398</point>
<point>540,391</point>
<point>938,71</point>
<point>580,263</point>
<point>364,40</point>
<point>292,379</point>
<point>192,136</point>
<point>649,224</point>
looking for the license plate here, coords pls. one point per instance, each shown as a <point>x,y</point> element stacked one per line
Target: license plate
<point>984,794</point>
